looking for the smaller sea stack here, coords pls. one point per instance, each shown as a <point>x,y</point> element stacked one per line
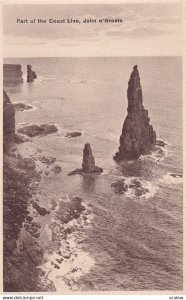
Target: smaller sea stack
<point>138,136</point>
<point>88,164</point>
<point>31,75</point>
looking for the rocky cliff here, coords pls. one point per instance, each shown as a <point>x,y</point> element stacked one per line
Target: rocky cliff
<point>12,74</point>
<point>31,75</point>
<point>138,136</point>
<point>8,122</point>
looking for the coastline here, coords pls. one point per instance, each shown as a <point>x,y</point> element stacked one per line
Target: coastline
<point>31,226</point>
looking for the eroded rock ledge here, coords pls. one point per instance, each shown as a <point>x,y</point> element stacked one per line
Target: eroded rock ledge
<point>138,136</point>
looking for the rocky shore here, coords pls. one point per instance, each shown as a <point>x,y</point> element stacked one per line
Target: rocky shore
<point>24,255</point>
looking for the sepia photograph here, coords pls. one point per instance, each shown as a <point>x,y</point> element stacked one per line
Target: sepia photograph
<point>92,148</point>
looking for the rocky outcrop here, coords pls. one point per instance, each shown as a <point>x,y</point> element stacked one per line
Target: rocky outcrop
<point>38,130</point>
<point>31,75</point>
<point>133,186</point>
<point>73,134</point>
<point>88,165</point>
<point>8,122</point>
<point>138,136</point>
<point>22,107</point>
<point>12,74</point>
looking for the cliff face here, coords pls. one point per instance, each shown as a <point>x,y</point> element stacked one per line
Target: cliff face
<point>138,136</point>
<point>12,74</point>
<point>8,122</point>
<point>31,75</point>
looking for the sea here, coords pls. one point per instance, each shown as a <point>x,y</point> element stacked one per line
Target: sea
<point>132,243</point>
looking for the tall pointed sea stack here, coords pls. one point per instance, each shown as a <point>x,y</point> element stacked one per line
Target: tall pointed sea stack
<point>138,137</point>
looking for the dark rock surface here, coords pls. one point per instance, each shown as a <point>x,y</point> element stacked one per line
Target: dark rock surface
<point>22,106</point>
<point>160,143</point>
<point>88,165</point>
<point>120,186</point>
<point>18,174</point>
<point>138,136</point>
<point>41,210</point>
<point>31,75</point>
<point>38,130</point>
<point>12,74</point>
<point>176,175</point>
<point>70,210</point>
<point>8,122</point>
<point>19,139</point>
<point>47,160</point>
<point>73,134</point>
<point>57,169</point>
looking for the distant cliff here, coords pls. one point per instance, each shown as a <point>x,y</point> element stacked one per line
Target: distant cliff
<point>138,136</point>
<point>12,74</point>
<point>8,122</point>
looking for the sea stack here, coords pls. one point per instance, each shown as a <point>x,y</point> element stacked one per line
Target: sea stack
<point>137,137</point>
<point>88,165</point>
<point>31,75</point>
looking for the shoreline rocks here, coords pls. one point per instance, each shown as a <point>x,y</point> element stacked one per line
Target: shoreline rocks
<point>31,75</point>
<point>38,130</point>
<point>138,136</point>
<point>73,134</point>
<point>21,106</point>
<point>18,175</point>
<point>88,164</point>
<point>160,143</point>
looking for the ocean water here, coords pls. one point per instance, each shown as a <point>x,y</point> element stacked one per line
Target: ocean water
<point>132,243</point>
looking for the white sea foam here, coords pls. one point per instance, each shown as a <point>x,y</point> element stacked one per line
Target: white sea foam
<point>152,188</point>
<point>69,262</point>
<point>169,179</point>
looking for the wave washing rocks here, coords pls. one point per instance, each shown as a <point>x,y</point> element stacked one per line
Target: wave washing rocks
<point>88,165</point>
<point>120,187</point>
<point>138,137</point>
<point>65,261</point>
